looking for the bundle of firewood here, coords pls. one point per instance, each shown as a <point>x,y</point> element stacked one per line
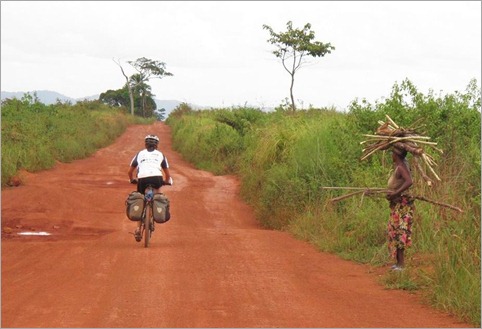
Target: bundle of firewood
<point>389,134</point>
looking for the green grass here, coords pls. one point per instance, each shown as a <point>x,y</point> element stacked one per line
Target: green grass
<point>35,135</point>
<point>284,160</point>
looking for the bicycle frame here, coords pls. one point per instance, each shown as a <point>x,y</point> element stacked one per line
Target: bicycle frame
<point>146,224</point>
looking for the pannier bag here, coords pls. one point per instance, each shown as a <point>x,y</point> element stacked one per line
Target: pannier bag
<point>160,207</point>
<point>135,206</point>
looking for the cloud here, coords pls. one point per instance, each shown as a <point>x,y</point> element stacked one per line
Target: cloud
<point>219,54</point>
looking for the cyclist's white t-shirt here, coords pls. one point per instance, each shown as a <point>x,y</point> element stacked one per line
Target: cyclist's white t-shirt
<point>149,163</point>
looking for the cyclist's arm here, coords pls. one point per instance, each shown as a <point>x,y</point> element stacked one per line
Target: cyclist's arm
<point>131,172</point>
<point>167,177</point>
<point>132,167</point>
<point>165,169</point>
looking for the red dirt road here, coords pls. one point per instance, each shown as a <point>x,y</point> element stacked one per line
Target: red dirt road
<point>211,265</point>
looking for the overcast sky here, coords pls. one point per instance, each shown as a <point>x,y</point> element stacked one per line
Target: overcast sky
<point>219,54</point>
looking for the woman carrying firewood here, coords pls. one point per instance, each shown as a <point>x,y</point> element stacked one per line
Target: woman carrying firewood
<point>401,141</point>
<point>401,208</point>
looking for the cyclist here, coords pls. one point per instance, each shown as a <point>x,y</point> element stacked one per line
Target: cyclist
<point>150,164</point>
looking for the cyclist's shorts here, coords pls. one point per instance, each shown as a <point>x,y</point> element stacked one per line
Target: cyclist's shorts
<point>155,181</point>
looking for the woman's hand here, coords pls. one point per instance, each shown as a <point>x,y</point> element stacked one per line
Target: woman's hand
<point>391,195</point>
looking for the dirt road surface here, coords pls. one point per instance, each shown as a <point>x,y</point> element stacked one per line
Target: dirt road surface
<point>211,265</point>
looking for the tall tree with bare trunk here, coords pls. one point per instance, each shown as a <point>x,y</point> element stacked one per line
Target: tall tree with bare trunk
<point>146,69</point>
<point>293,46</point>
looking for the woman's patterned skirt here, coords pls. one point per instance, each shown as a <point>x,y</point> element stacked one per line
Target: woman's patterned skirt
<point>400,224</point>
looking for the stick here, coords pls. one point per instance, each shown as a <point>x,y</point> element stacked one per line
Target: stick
<point>350,188</point>
<point>369,192</point>
<point>364,191</point>
<point>381,146</point>
<point>346,196</point>
<point>419,167</point>
<point>391,121</point>
<point>422,198</point>
<point>424,156</point>
<point>384,137</point>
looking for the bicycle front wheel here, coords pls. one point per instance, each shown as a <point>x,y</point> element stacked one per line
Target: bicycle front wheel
<point>147,225</point>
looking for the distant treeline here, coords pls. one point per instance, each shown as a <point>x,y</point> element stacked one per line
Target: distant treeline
<point>284,159</point>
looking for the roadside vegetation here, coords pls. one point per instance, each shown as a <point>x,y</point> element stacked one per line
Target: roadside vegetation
<point>285,159</point>
<point>35,135</point>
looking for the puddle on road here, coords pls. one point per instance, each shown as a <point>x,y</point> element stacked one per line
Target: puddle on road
<point>34,233</point>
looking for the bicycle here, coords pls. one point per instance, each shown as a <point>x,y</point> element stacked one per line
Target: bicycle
<point>147,223</point>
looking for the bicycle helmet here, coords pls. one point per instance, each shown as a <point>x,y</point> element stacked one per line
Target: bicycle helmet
<point>151,141</point>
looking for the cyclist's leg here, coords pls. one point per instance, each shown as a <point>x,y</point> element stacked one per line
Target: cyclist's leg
<point>159,183</point>
<point>137,232</point>
<point>141,185</point>
<point>154,181</point>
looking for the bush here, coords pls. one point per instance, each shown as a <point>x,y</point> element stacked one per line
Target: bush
<point>286,159</point>
<point>35,135</point>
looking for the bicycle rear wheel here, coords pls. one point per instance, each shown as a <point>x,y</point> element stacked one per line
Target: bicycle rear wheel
<point>147,226</point>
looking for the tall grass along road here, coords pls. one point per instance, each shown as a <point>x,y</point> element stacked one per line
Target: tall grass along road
<point>211,265</point>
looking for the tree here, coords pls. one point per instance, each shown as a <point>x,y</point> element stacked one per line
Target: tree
<point>293,46</point>
<point>144,104</point>
<point>129,87</point>
<point>115,98</point>
<point>143,91</point>
<point>161,114</point>
<point>147,69</point>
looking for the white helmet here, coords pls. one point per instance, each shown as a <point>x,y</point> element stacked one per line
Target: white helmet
<point>151,140</point>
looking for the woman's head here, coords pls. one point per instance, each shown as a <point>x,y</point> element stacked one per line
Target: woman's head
<point>401,153</point>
